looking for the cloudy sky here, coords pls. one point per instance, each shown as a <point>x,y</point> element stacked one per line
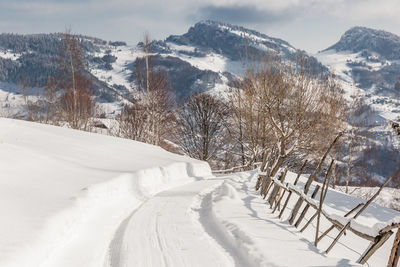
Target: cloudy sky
<point>311,25</point>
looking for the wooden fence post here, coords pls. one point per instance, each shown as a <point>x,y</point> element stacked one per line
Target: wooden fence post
<point>395,253</point>
<point>276,189</point>
<point>295,183</point>
<point>311,179</point>
<point>358,214</point>
<point>278,203</point>
<point>324,191</point>
<point>374,246</point>
<point>309,222</point>
<point>265,184</point>
<point>303,213</point>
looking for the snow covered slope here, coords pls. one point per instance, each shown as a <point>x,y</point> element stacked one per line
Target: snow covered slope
<point>368,59</point>
<point>367,63</point>
<point>63,190</point>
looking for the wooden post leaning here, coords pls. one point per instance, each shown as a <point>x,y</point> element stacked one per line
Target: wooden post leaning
<point>276,188</point>
<point>303,213</point>
<point>278,203</point>
<point>311,179</point>
<point>374,246</point>
<point>324,191</point>
<point>358,214</point>
<point>295,183</point>
<point>395,253</point>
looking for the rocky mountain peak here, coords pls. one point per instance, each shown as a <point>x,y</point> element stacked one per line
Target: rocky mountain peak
<point>359,39</point>
<point>229,40</point>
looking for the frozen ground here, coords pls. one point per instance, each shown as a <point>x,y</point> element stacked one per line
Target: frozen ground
<point>71,198</point>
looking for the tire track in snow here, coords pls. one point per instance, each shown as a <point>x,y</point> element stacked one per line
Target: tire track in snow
<point>226,239</point>
<point>113,257</point>
<point>159,240</point>
<point>161,233</point>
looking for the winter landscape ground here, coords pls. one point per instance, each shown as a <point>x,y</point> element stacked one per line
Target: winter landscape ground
<point>211,144</point>
<point>73,198</point>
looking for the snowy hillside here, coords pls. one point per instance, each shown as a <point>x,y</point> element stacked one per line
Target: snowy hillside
<point>209,56</point>
<point>62,190</point>
<point>206,58</point>
<point>368,59</point>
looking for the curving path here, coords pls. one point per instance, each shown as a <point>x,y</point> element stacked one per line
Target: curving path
<point>163,232</point>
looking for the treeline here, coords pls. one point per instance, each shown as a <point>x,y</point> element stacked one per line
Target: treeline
<point>37,54</point>
<point>45,43</point>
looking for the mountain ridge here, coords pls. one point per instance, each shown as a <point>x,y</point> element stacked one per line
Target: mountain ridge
<point>360,38</point>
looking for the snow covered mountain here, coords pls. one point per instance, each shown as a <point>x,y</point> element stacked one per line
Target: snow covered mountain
<point>367,61</point>
<point>370,60</point>
<point>208,57</point>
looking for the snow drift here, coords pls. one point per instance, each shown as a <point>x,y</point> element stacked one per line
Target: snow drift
<point>57,182</point>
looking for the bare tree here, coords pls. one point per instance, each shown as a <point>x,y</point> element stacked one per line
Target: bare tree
<point>133,121</point>
<point>43,106</point>
<point>160,102</point>
<point>248,125</point>
<point>288,110</point>
<point>200,125</point>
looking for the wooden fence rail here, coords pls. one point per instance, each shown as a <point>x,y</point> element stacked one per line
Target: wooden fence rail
<point>238,168</point>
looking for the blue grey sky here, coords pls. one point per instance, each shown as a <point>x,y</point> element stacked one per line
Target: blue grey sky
<point>311,25</point>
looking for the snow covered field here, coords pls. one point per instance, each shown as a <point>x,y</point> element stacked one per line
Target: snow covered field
<point>72,198</point>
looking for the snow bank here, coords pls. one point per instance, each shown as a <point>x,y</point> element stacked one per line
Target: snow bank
<point>54,179</point>
<point>225,191</point>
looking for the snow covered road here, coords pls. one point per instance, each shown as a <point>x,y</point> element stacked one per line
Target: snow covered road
<point>213,222</point>
<point>162,232</point>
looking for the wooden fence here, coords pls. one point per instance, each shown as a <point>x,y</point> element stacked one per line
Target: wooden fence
<point>278,189</point>
<point>238,168</point>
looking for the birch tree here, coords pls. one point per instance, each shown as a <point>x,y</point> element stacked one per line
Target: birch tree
<point>76,103</point>
<point>147,116</point>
